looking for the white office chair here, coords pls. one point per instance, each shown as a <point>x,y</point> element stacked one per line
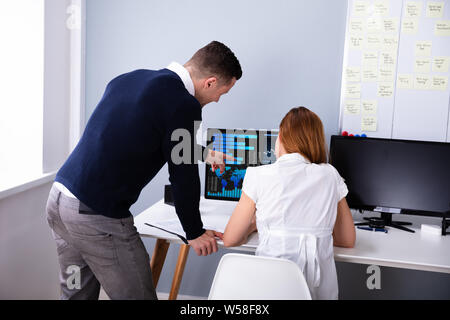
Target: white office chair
<point>248,277</point>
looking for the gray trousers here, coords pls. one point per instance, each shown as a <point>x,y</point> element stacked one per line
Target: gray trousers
<point>95,250</point>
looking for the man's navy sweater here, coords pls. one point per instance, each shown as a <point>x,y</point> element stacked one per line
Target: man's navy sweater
<point>126,142</point>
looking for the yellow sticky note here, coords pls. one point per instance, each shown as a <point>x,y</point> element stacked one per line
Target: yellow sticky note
<point>422,65</point>
<point>353,74</point>
<point>442,28</point>
<point>413,9</point>
<point>385,89</point>
<point>381,7</point>
<point>435,9</point>
<point>356,25</point>
<point>439,83</point>
<point>353,91</point>
<point>390,25</point>
<point>370,58</point>
<point>389,43</point>
<point>440,64</point>
<point>360,8</point>
<point>352,106</point>
<point>422,81</point>
<point>369,106</point>
<point>404,81</point>
<point>423,49</point>
<point>369,123</point>
<point>386,74</point>
<point>355,41</point>
<point>410,26</point>
<point>388,58</point>
<point>369,74</point>
<point>373,41</point>
<point>374,24</point>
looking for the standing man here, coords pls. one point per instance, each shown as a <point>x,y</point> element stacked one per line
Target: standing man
<point>127,140</point>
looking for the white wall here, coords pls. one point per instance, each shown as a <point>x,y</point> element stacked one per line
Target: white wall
<point>56,85</point>
<point>28,260</point>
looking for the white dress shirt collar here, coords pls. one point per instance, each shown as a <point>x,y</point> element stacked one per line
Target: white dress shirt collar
<point>293,157</point>
<point>184,75</point>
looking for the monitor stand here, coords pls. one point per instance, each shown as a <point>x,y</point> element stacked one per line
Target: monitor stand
<point>445,225</point>
<point>387,219</point>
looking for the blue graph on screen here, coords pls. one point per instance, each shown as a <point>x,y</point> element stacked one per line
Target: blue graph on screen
<point>228,184</point>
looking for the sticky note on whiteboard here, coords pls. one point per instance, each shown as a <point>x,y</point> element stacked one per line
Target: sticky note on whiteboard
<point>439,83</point>
<point>360,8</point>
<point>369,58</point>
<point>413,9</point>
<point>422,81</point>
<point>381,7</point>
<point>352,106</point>
<point>369,74</point>
<point>369,106</point>
<point>385,89</point>
<point>356,25</point>
<point>404,81</point>
<point>390,25</point>
<point>435,9</point>
<point>386,74</point>
<point>410,26</point>
<point>389,43</point>
<point>388,58</point>
<point>440,64</point>
<point>353,74</point>
<point>353,90</point>
<point>355,41</point>
<point>442,28</point>
<point>368,123</point>
<point>422,65</point>
<point>423,49</point>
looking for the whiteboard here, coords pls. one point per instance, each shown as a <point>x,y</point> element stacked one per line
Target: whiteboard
<point>395,70</point>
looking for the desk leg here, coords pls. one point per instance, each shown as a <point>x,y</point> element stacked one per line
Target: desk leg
<point>158,258</point>
<point>179,269</point>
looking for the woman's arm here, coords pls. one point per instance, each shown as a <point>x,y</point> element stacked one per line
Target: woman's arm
<point>344,234</point>
<point>242,222</point>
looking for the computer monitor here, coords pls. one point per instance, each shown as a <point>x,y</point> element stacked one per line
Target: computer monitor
<point>249,147</point>
<point>394,176</point>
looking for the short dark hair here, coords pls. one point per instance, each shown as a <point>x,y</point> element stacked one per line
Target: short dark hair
<point>217,59</point>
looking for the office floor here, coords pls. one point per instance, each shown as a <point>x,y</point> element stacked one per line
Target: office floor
<point>161,296</point>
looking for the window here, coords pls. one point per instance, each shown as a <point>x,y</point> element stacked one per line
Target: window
<point>21,90</point>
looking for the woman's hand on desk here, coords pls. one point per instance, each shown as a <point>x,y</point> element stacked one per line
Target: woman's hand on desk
<point>206,243</point>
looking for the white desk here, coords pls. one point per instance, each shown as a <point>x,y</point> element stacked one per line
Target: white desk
<point>397,248</point>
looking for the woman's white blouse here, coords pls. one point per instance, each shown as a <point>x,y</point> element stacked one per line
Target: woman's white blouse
<point>296,206</point>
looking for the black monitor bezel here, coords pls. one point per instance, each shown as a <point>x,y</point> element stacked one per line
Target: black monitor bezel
<point>407,211</point>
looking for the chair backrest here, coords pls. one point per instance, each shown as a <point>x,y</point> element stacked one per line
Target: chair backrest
<point>248,277</point>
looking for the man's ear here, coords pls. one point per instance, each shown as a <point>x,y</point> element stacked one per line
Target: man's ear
<point>211,82</point>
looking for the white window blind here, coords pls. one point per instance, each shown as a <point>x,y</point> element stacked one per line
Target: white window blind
<point>21,90</point>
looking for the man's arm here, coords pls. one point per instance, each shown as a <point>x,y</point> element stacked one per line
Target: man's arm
<point>183,172</point>
<point>185,181</point>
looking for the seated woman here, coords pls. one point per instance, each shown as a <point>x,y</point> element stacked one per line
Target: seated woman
<point>297,204</point>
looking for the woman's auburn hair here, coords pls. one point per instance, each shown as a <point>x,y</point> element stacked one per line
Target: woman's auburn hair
<point>301,131</point>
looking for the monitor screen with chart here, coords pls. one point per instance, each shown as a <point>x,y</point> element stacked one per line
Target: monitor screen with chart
<point>249,147</point>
